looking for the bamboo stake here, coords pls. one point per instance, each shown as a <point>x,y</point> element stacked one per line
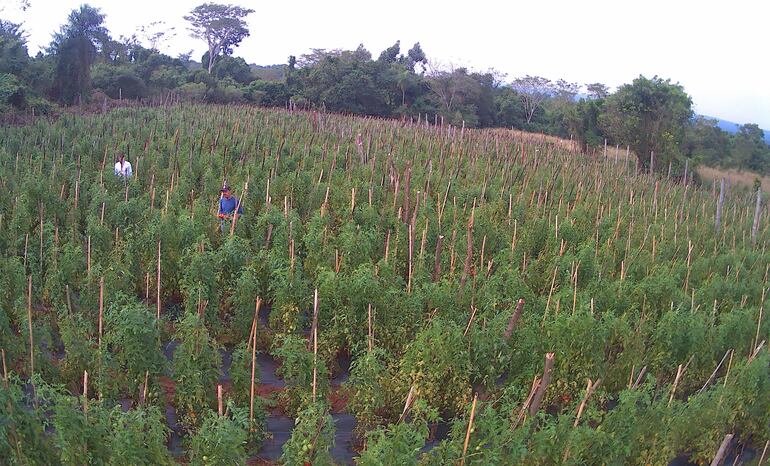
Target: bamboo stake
<point>220,406</point>
<point>722,448</point>
<point>5,370</point>
<point>371,329</point>
<point>437,260</point>
<point>85,394</point>
<point>713,374</point>
<point>315,342</point>
<point>590,389</point>
<point>157,300</point>
<point>470,427</point>
<point>407,404</point>
<point>676,383</point>
<point>764,452</point>
<point>253,363</point>
<point>29,321</point>
<point>757,213</point>
<point>101,309</point>
<point>525,406</point>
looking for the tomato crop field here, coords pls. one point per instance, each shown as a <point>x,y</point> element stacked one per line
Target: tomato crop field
<point>395,292</point>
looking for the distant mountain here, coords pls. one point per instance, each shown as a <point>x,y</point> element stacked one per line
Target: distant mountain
<point>732,128</point>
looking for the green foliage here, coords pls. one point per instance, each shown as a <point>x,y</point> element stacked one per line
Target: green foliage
<point>133,338</point>
<point>138,437</point>
<point>297,363</point>
<point>196,370</point>
<point>220,439</point>
<point>437,363</point>
<point>311,438</point>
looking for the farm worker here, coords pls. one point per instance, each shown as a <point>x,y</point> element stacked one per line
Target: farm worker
<point>227,205</point>
<point>123,167</point>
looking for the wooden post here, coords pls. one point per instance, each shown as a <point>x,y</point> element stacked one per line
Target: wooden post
<point>540,393</point>
<point>468,250</point>
<point>720,204</point>
<point>371,329</point>
<point>764,452</point>
<point>470,427</point>
<point>679,372</point>
<point>5,370</point>
<point>714,374</point>
<point>157,301</point>
<point>85,393</point>
<point>29,321</point>
<point>253,363</point>
<point>722,450</point>
<point>590,389</point>
<point>101,309</point>
<point>757,214</point>
<point>437,260</point>
<point>220,407</point>
<point>314,336</point>
<point>514,319</point>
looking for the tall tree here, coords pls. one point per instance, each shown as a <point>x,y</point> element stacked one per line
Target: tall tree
<point>650,115</point>
<point>749,150</point>
<point>597,90</point>
<point>13,49</point>
<point>76,47</point>
<point>533,90</point>
<point>221,26</point>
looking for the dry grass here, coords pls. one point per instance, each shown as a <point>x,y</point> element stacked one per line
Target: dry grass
<point>735,177</point>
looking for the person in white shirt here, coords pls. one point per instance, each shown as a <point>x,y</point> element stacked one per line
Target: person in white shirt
<point>123,167</point>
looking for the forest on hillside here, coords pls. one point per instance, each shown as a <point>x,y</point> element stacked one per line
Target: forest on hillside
<point>84,63</point>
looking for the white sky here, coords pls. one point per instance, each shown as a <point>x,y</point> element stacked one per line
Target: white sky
<point>716,50</point>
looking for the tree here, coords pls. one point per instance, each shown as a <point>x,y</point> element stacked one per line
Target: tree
<point>566,91</point>
<point>76,47</point>
<point>156,33</point>
<point>706,143</point>
<point>13,49</point>
<point>533,90</point>
<point>414,56</point>
<point>749,150</point>
<point>597,90</point>
<point>649,115</point>
<point>221,26</point>
<point>390,54</point>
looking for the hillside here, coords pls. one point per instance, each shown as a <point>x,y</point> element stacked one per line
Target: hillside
<point>732,128</point>
<point>394,293</point>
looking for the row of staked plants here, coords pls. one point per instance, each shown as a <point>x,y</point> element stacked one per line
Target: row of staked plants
<point>420,241</point>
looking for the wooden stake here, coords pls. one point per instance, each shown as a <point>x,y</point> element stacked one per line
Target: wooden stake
<point>157,300</point>
<point>590,389</point>
<point>85,393</point>
<point>315,343</point>
<point>540,393</point>
<point>220,406</point>
<point>470,427</point>
<point>29,321</point>
<point>5,370</point>
<point>101,310</point>
<point>371,329</point>
<point>514,319</point>
<point>764,452</point>
<point>253,363</point>
<point>757,214</point>
<point>723,447</point>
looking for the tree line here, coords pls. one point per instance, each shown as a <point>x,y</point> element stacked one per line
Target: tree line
<point>653,117</point>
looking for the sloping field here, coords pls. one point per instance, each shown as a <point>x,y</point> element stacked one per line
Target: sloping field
<point>394,293</point>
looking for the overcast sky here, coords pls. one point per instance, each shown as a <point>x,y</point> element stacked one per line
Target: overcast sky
<point>717,50</point>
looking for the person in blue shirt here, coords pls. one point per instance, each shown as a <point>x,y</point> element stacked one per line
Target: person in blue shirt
<point>227,207</point>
